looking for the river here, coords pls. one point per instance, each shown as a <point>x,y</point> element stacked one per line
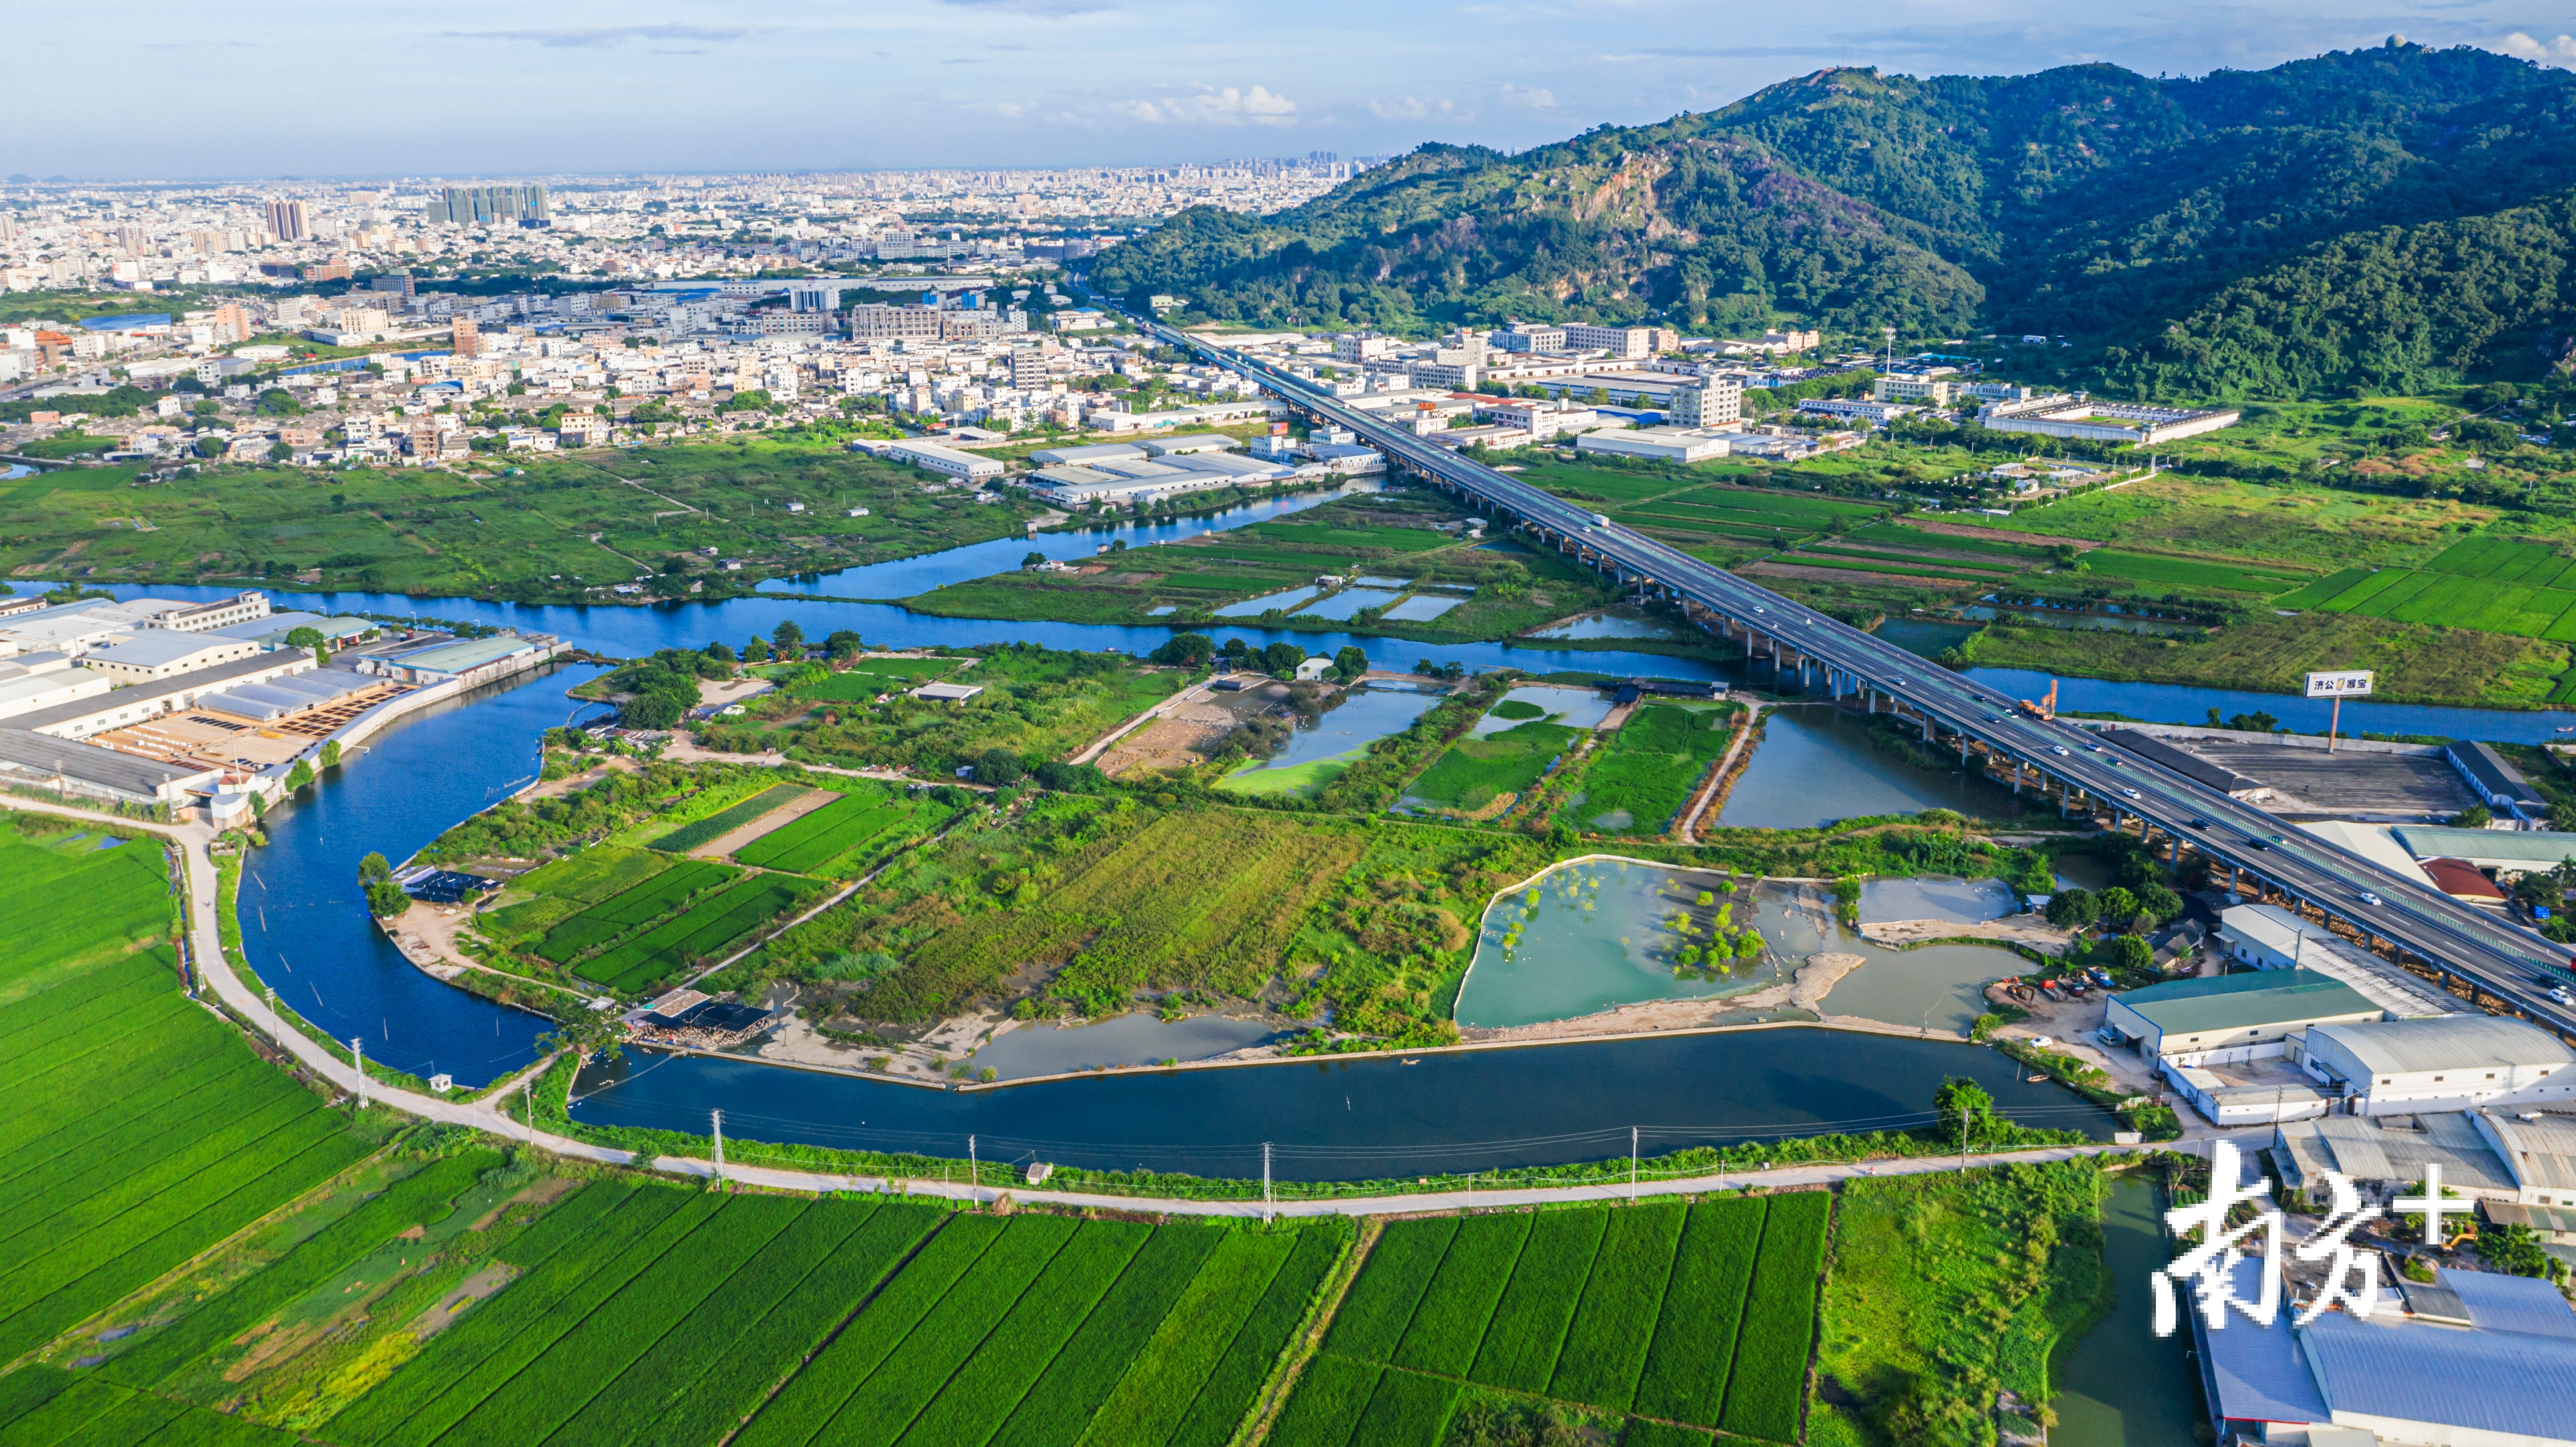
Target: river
<point>2117,1385</point>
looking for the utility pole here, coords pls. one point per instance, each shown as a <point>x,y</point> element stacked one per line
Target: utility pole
<point>358,1062</point>
<point>718,1117</point>
<point>1632,1165</point>
<point>1265,1181</point>
<point>528,1104</point>
<point>974,1173</point>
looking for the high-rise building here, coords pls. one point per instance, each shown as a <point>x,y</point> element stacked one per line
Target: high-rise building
<point>231,315</point>
<point>1715,402</point>
<point>488,205</point>
<point>286,221</point>
<point>468,341</point>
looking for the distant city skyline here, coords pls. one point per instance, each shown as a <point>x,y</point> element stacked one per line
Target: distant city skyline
<point>478,88</point>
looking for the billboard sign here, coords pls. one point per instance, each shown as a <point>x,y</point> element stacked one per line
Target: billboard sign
<point>2340,683</point>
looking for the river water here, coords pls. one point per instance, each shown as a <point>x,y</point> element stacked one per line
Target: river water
<point>2118,1386</point>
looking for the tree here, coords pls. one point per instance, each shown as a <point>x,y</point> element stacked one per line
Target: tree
<point>788,639</point>
<point>330,753</point>
<point>311,638</point>
<point>2156,904</point>
<point>2517,1251</point>
<point>720,652</point>
<point>211,447</point>
<point>300,775</point>
<point>844,645</point>
<point>1033,559</point>
<point>2473,817</point>
<point>1185,650</point>
<point>2134,952</point>
<point>2118,906</point>
<point>1281,659</point>
<point>755,651</point>
<point>999,767</point>
<point>385,898</point>
<point>1350,662</point>
<point>652,712</point>
<point>1966,1111</point>
<point>587,1033</point>
<point>2071,908</point>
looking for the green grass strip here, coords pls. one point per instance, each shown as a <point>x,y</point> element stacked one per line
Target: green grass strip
<point>988,1388</point>
<point>2318,593</point>
<point>1616,1322</point>
<point>121,1425</point>
<point>202,1428</point>
<point>1769,1378</point>
<point>1398,1271</point>
<point>1642,1433</point>
<point>814,1395</point>
<point>623,1326</point>
<point>1227,1395</point>
<point>1324,1410</point>
<point>627,1257</point>
<point>1407,1410</point>
<point>1685,1379</point>
<point>423,1197</point>
<point>1067,1396</point>
<point>732,1385</point>
<point>141,1126</point>
<point>28,1388</point>
<point>1167,1375</point>
<point>185,1162</point>
<point>1450,1323</point>
<point>1529,1325</point>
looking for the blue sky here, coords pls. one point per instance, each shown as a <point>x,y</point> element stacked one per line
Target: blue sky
<point>490,87</point>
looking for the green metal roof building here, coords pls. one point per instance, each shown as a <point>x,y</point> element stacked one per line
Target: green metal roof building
<point>2234,1017</point>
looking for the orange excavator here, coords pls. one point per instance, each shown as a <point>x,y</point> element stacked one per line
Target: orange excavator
<point>2046,709</point>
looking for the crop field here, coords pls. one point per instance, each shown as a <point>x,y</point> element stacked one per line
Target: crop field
<point>1201,899</point>
<point>1472,773</point>
<point>806,845</point>
<point>1911,568</point>
<point>2163,571</point>
<point>2492,584</point>
<point>717,825</point>
<point>632,908</point>
<point>1697,1315</point>
<point>1897,534</point>
<point>146,1130</point>
<point>1888,554</point>
<point>567,886</point>
<point>708,928</point>
<point>44,1405</point>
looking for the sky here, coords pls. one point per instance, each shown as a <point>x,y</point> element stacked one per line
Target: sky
<point>542,87</point>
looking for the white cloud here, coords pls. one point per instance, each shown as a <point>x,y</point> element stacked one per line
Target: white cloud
<point>1537,98</point>
<point>2560,52</point>
<point>1409,108</point>
<point>606,36</point>
<point>1208,106</point>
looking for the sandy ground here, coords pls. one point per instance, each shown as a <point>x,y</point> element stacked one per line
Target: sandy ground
<point>1805,991</point>
<point>731,690</point>
<point>775,819</point>
<point>798,1041</point>
<point>426,934</point>
<point>2020,929</point>
<point>1185,737</point>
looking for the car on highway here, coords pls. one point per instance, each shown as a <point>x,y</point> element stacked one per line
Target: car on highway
<point>2371,899</point>
<point>2257,843</point>
<point>2199,823</point>
<point>2132,793</point>
<point>1990,718</point>
<point>2559,994</point>
<point>2059,750</point>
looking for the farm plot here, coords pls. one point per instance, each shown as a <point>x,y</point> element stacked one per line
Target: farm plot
<point>44,1404</point>
<point>707,929</point>
<point>1902,536</point>
<point>1924,568</point>
<point>865,678</point>
<point>717,825</point>
<point>1047,1330</point>
<point>95,1038</point>
<point>1651,768</point>
<point>1688,1315</point>
<point>631,909</point>
<point>1471,774</point>
<point>567,886</point>
<point>1965,566</point>
<point>850,830</point>
<point>2158,570</point>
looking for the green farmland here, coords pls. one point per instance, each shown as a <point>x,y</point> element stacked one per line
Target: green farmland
<point>2492,584</point>
<point>711,926</point>
<point>148,1130</point>
<point>1685,1317</point>
<point>838,839</point>
<point>1472,773</point>
<point>1649,769</point>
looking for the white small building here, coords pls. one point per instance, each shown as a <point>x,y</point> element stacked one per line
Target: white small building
<point>1313,669</point>
<point>947,460</point>
<point>947,693</point>
<point>1667,444</point>
<point>2457,1062</point>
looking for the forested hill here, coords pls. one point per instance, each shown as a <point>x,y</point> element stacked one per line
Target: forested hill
<point>2382,218</point>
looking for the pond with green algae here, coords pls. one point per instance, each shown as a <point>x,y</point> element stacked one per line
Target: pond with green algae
<point>1597,934</point>
<point>1588,937</point>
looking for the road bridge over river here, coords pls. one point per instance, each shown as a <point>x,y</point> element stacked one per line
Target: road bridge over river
<point>2504,964</point>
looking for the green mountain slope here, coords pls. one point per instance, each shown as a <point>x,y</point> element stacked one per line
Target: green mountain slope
<point>2372,217</point>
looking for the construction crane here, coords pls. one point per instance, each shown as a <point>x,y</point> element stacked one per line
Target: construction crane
<point>2046,709</point>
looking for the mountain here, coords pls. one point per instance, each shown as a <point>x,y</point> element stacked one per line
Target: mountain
<point>2389,217</point>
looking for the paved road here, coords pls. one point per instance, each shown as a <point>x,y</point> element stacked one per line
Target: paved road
<point>2504,959</point>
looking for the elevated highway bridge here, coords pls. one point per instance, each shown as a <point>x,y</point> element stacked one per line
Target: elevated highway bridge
<point>2503,964</point>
